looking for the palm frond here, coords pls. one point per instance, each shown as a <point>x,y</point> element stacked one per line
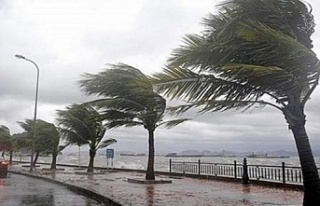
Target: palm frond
<point>62,147</point>
<point>118,103</point>
<point>120,123</point>
<point>4,129</point>
<point>111,115</point>
<point>172,123</point>
<point>27,125</point>
<point>217,105</point>
<point>279,80</point>
<point>119,80</point>
<point>81,118</point>
<point>73,137</point>
<point>100,134</point>
<point>183,83</point>
<point>4,134</point>
<point>187,54</point>
<point>106,143</point>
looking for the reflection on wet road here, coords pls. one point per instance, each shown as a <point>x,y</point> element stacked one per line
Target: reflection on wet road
<point>18,190</point>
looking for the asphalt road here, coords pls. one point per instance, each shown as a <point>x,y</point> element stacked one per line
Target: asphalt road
<point>19,190</point>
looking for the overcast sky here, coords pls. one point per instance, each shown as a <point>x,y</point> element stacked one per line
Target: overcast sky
<point>67,38</point>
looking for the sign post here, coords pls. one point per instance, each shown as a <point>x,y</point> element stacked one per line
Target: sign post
<point>110,155</point>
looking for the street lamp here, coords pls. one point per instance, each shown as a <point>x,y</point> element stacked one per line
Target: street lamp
<point>35,107</point>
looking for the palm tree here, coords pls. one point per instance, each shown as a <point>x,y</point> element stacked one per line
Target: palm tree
<point>83,124</point>
<point>29,140</point>
<point>6,141</point>
<point>252,52</point>
<point>129,101</point>
<point>46,140</point>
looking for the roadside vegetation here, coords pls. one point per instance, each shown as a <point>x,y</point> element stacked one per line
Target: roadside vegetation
<point>82,124</point>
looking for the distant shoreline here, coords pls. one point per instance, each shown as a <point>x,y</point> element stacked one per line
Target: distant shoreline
<point>177,155</point>
<point>222,155</point>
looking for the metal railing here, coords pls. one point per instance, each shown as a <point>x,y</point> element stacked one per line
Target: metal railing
<point>271,173</point>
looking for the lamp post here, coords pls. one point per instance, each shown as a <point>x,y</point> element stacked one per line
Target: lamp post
<point>35,107</point>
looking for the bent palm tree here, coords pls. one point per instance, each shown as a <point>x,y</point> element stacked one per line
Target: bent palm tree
<point>252,52</point>
<point>82,124</point>
<point>20,141</point>
<point>46,139</point>
<point>130,101</point>
<point>6,141</point>
<point>49,136</point>
<point>30,141</point>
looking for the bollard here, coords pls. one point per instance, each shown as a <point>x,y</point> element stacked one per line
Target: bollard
<point>183,168</point>
<point>283,173</point>
<point>245,176</point>
<point>235,169</point>
<point>3,169</point>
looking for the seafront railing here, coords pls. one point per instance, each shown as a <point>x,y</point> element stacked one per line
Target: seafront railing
<point>242,171</point>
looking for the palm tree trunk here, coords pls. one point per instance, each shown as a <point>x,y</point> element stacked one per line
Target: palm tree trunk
<point>54,161</point>
<point>310,174</point>
<point>79,156</point>
<point>295,117</point>
<point>36,159</point>
<point>150,168</point>
<point>92,154</point>
<point>11,156</point>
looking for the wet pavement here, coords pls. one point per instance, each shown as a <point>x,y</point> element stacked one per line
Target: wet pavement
<point>183,191</point>
<point>19,190</point>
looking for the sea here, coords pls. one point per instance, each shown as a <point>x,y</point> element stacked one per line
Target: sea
<point>161,162</point>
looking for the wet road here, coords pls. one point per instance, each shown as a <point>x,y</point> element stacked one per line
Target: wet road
<point>18,190</point>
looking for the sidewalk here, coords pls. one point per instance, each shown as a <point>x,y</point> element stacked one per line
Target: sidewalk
<point>183,191</point>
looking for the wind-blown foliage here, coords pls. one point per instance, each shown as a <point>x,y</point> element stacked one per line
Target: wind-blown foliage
<point>251,52</point>
<point>5,136</point>
<point>49,135</point>
<point>37,142</point>
<point>129,100</point>
<point>6,141</point>
<point>46,139</point>
<point>83,124</point>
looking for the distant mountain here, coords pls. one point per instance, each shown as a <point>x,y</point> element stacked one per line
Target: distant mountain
<point>242,154</point>
<point>283,153</point>
<point>191,152</point>
<point>208,153</point>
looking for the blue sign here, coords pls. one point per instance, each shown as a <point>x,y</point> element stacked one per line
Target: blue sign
<point>110,153</point>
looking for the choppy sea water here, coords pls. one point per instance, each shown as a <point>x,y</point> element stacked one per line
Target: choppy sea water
<point>162,162</point>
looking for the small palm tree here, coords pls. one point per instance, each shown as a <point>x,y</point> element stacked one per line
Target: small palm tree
<point>6,141</point>
<point>46,139</point>
<point>129,100</point>
<point>20,141</point>
<point>83,124</point>
<point>30,141</point>
<point>252,52</point>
